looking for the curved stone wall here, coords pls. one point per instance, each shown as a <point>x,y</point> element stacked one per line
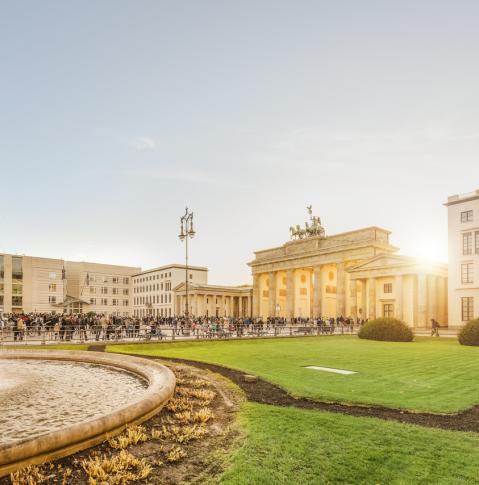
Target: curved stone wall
<point>50,446</point>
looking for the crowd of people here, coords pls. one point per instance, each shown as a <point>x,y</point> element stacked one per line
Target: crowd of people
<point>86,327</point>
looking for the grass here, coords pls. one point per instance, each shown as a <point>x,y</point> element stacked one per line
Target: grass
<point>435,375</point>
<point>288,445</point>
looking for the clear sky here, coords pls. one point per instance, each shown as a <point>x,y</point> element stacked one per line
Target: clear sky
<point>116,114</point>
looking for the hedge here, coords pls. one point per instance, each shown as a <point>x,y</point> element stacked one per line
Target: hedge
<point>469,334</point>
<point>386,329</point>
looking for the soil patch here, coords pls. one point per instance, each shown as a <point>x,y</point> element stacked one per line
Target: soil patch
<point>262,391</point>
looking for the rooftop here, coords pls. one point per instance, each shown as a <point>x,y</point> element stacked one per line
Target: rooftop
<point>459,198</point>
<point>171,266</point>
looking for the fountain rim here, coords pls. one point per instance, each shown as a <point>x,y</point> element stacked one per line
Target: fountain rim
<point>79,436</point>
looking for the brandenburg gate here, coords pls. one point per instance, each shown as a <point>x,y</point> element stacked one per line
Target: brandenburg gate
<point>352,274</point>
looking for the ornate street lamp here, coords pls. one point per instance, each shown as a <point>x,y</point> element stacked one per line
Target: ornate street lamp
<point>186,232</point>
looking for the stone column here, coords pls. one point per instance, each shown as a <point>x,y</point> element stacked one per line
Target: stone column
<point>364,299</point>
<point>290,293</point>
<point>256,295</point>
<point>431,299</point>
<point>353,292</point>
<point>372,298</point>
<point>442,301</point>
<point>421,300</point>
<point>317,291</point>
<point>340,290</point>
<point>221,305</point>
<point>398,291</point>
<point>195,308</point>
<point>272,294</point>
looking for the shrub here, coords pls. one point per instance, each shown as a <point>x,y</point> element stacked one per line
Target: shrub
<point>469,334</point>
<point>386,329</point>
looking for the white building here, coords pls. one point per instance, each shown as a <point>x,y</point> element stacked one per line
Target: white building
<point>153,289</point>
<point>463,222</point>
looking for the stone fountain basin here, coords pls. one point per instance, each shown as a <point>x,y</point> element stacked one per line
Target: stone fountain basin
<point>71,439</point>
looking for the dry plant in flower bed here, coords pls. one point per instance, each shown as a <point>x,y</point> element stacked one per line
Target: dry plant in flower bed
<point>201,394</point>
<point>131,436</point>
<point>177,405</point>
<point>203,415</point>
<point>176,454</point>
<point>184,434</point>
<point>31,475</point>
<point>118,469</point>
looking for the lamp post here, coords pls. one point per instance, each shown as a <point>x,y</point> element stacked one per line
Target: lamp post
<point>186,232</point>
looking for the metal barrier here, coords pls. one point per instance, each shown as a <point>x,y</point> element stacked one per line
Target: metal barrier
<point>79,336</point>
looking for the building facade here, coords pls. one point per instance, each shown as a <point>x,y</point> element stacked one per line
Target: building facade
<point>99,288</point>
<point>214,300</point>
<point>354,274</point>
<point>153,290</point>
<point>30,284</point>
<point>463,238</point>
<point>397,286</point>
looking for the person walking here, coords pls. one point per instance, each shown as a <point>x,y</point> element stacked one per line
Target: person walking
<point>434,328</point>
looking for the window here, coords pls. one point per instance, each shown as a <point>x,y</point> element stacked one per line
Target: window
<point>126,281</point>
<point>1,300</point>
<point>467,304</point>
<point>52,287</point>
<point>467,244</point>
<point>114,302</point>
<point>104,301</point>
<point>466,216</point>
<point>388,310</point>
<point>104,290</point>
<point>388,287</point>
<point>125,291</point>
<point>477,242</point>
<point>93,301</point>
<point>116,279</point>
<point>52,299</point>
<point>92,290</point>
<point>2,267</point>
<point>17,268</point>
<point>467,273</point>
<point>115,291</point>
<point>125,302</point>
<point>17,289</point>
<point>191,276</point>
<point>17,301</point>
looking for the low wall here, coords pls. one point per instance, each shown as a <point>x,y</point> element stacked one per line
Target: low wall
<point>68,440</point>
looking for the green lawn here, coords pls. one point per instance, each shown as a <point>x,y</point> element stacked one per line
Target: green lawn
<point>436,375</point>
<point>293,446</point>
